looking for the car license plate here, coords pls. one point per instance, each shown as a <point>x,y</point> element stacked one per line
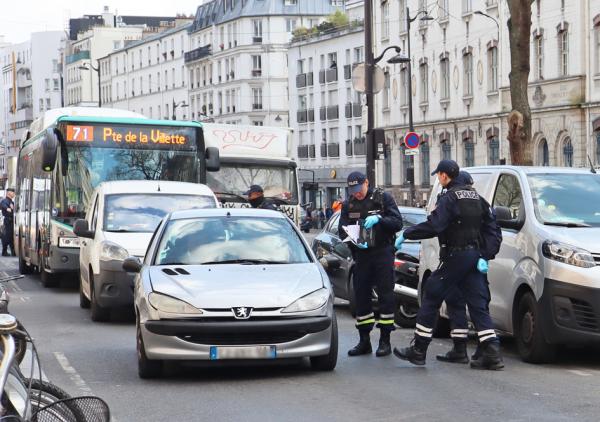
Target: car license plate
<point>243,352</point>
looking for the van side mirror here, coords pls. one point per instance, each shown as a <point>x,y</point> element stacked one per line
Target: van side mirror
<point>330,263</point>
<point>81,229</point>
<point>505,219</point>
<point>49,150</point>
<point>213,162</point>
<point>132,264</point>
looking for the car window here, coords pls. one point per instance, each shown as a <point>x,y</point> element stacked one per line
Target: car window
<point>481,181</point>
<point>93,218</point>
<point>333,224</point>
<point>147,258</point>
<point>508,194</point>
<point>214,240</point>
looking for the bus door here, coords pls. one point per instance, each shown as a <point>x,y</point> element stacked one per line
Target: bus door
<point>29,209</point>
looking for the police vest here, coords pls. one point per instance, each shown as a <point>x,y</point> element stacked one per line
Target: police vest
<point>358,211</point>
<point>466,228</point>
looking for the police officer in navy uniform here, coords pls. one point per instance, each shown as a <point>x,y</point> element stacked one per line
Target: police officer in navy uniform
<point>7,206</point>
<point>457,221</point>
<point>377,212</point>
<point>256,198</point>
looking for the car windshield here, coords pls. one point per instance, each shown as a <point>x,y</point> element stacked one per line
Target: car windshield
<point>566,199</point>
<point>142,212</point>
<point>231,240</point>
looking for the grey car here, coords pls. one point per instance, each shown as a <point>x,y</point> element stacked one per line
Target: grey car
<point>231,284</point>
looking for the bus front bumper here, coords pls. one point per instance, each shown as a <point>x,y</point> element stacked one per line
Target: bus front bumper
<point>63,260</point>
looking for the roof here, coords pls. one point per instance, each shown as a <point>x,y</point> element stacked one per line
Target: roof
<point>531,169</point>
<point>135,43</point>
<point>227,212</point>
<point>152,186</point>
<point>212,12</point>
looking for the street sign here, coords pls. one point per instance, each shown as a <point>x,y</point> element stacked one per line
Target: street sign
<point>359,80</point>
<point>412,140</point>
<point>411,152</point>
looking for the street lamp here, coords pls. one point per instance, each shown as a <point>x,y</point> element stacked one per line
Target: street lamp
<point>179,104</point>
<point>479,12</point>
<point>97,70</point>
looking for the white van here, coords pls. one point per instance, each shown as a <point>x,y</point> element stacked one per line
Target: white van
<point>119,223</point>
<point>545,281</point>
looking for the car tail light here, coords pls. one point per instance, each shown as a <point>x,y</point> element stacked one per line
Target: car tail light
<point>398,263</point>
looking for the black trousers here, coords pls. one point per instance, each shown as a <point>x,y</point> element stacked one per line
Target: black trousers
<point>374,268</point>
<point>7,239</point>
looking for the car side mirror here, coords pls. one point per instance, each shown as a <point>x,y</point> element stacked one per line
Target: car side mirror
<point>82,229</point>
<point>330,263</point>
<point>132,264</point>
<point>505,219</point>
<point>49,150</point>
<point>212,159</point>
<point>342,249</point>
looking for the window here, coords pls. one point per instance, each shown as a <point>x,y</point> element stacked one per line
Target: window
<point>597,43</point>
<point>407,165</point>
<point>290,25</point>
<point>539,56</point>
<point>446,151</point>
<point>443,9</point>
<point>256,66</point>
<point>469,153</point>
<point>493,69</point>
<point>358,55</point>
<point>56,84</point>
<point>257,99</point>
<point>467,6</point>
<point>563,52</point>
<point>543,153</point>
<point>290,2</point>
<point>257,25</point>
<point>445,78</point>
<point>402,18</point>
<point>468,74</point>
<point>567,153</point>
<point>508,194</point>
<point>493,151</point>
<point>425,166</point>
<point>47,84</point>
<point>387,162</point>
<point>404,82</point>
<point>385,16</point>
<point>598,147</point>
<point>424,82</point>
<point>386,92</point>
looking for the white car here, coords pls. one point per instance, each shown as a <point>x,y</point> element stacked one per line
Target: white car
<point>119,223</point>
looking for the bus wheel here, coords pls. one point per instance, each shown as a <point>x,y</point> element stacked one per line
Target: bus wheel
<point>48,279</point>
<point>23,267</point>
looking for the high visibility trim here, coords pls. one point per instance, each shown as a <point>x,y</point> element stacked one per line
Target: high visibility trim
<point>460,331</point>
<point>386,321</point>
<point>386,316</point>
<point>486,332</point>
<point>488,337</point>
<point>363,317</point>
<point>455,335</point>
<point>422,334</point>
<point>365,322</point>
<point>424,329</point>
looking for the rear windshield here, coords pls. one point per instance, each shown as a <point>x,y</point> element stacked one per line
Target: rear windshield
<point>141,213</point>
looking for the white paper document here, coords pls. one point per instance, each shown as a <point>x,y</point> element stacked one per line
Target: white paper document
<point>353,232</point>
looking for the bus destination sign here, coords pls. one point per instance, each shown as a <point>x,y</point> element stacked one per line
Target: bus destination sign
<point>124,136</point>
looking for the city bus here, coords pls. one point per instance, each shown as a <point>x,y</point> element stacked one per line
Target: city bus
<point>253,155</point>
<point>68,152</point>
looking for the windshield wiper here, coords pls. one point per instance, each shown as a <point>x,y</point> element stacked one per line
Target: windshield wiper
<point>234,195</point>
<point>243,262</point>
<point>565,224</point>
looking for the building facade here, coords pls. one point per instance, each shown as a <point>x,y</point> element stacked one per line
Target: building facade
<point>460,62</point>
<point>238,69</point>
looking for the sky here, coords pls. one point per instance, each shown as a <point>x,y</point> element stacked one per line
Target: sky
<point>23,17</point>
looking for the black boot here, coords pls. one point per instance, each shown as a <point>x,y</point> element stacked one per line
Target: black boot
<point>477,354</point>
<point>490,357</point>
<point>385,348</point>
<point>415,353</point>
<point>363,347</point>
<point>458,353</point>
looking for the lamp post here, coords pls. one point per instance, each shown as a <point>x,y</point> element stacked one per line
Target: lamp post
<point>179,104</point>
<point>97,70</point>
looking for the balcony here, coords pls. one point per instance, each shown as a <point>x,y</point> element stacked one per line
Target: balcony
<point>257,106</point>
<point>302,151</point>
<point>347,72</point>
<point>360,146</point>
<point>311,114</point>
<point>302,116</point>
<point>323,113</point>
<point>309,79</point>
<point>353,110</point>
<point>81,55</point>
<point>311,151</point>
<point>348,110</point>
<point>301,80</point>
<point>349,147</point>
<point>332,75</point>
<point>333,149</point>
<point>324,149</point>
<point>197,54</point>
<point>256,73</point>
<point>333,112</point>
<point>322,76</point>
<point>257,40</point>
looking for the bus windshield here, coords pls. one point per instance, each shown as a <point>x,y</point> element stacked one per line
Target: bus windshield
<point>278,182</point>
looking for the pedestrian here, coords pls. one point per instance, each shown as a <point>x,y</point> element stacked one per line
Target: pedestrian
<point>457,221</point>
<point>375,210</point>
<point>321,218</point>
<point>256,198</point>
<point>328,213</point>
<point>490,240</point>
<point>8,206</point>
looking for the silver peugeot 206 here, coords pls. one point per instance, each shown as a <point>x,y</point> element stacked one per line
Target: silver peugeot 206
<point>240,284</point>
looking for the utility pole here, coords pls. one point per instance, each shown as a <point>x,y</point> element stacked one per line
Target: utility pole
<point>369,70</point>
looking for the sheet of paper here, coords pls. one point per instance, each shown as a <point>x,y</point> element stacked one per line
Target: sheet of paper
<point>353,231</point>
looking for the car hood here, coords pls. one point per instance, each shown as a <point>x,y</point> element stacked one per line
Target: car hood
<point>587,238</point>
<point>135,243</point>
<point>228,285</point>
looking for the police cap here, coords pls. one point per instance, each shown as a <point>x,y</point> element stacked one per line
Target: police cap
<point>450,167</point>
<point>253,189</point>
<point>355,181</point>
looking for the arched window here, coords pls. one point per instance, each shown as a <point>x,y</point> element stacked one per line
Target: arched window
<point>543,153</point>
<point>567,153</point>
<point>388,165</point>
<point>597,147</point>
<point>406,164</point>
<point>425,166</point>
<point>492,135</point>
<point>446,151</point>
<point>469,153</point>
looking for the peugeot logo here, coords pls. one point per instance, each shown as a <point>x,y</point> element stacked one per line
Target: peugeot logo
<point>241,312</point>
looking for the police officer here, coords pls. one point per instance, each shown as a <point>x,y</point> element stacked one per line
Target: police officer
<point>256,198</point>
<point>377,212</point>
<point>8,206</point>
<point>457,221</point>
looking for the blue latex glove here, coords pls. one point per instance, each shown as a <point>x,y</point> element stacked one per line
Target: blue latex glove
<point>362,245</point>
<point>482,266</point>
<point>371,220</point>
<point>399,241</point>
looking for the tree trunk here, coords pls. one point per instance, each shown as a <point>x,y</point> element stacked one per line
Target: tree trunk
<point>519,120</point>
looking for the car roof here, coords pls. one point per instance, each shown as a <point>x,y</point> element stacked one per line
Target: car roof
<point>411,210</point>
<point>226,212</point>
<point>532,169</point>
<point>154,186</point>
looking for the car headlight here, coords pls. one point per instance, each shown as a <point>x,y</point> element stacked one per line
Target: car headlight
<point>310,302</point>
<point>567,254</point>
<point>110,251</point>
<point>171,305</point>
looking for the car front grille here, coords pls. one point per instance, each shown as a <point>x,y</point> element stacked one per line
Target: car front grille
<point>584,315</point>
<point>596,258</point>
<point>229,339</point>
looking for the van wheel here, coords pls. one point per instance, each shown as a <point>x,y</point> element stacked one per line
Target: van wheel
<point>99,314</point>
<point>327,362</point>
<point>351,297</point>
<point>531,344</point>
<point>84,302</point>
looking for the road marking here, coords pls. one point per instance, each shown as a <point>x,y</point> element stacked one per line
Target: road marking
<point>72,373</point>
<point>14,286</point>
<point>580,373</point>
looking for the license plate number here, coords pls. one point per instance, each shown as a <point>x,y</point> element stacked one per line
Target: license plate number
<point>243,352</point>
